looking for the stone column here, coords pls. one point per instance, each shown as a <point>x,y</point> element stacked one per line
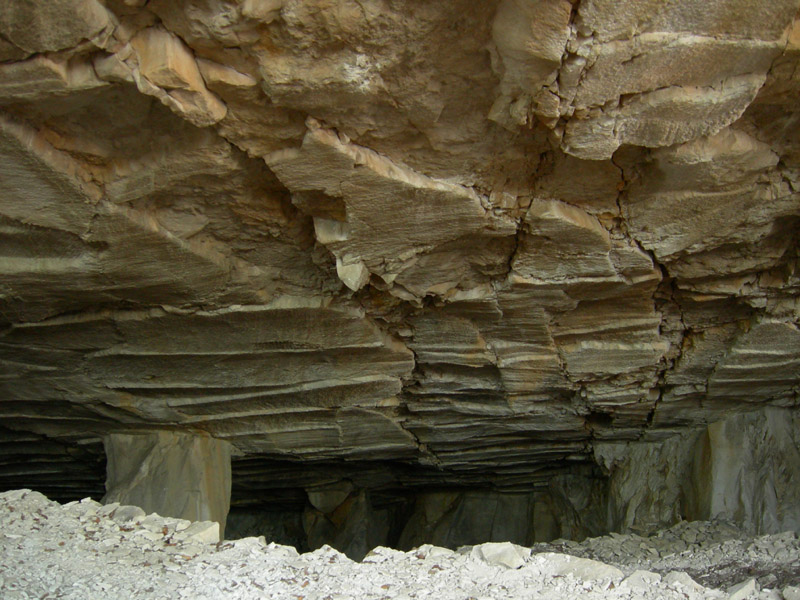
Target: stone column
<point>746,469</point>
<point>181,475</point>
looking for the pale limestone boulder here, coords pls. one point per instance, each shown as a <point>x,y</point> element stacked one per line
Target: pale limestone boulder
<point>743,590</point>
<point>641,580</point>
<point>682,581</point>
<point>125,514</point>
<point>791,592</point>
<point>201,532</point>
<point>174,474</point>
<point>503,554</point>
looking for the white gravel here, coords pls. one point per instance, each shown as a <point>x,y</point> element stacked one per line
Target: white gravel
<point>716,554</point>
<point>86,551</point>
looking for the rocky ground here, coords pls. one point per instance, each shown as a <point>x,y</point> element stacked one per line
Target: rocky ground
<point>86,550</point>
<point>715,554</point>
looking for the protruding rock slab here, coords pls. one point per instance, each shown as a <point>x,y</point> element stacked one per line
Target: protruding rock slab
<point>174,474</point>
<point>369,212</point>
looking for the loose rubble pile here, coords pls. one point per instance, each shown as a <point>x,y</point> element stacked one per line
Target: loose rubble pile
<point>87,550</point>
<point>716,554</point>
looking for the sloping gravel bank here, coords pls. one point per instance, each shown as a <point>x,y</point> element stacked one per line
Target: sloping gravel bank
<point>85,551</point>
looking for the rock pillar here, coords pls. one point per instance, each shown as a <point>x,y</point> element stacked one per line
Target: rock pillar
<point>741,469</point>
<point>746,470</point>
<point>175,474</point>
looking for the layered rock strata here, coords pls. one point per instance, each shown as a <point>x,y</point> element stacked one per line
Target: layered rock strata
<point>404,244</point>
<point>742,469</point>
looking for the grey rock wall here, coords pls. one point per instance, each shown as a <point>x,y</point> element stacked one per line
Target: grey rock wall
<point>744,469</point>
<point>174,474</point>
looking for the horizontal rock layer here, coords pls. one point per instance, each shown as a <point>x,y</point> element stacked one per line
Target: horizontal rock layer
<point>455,243</point>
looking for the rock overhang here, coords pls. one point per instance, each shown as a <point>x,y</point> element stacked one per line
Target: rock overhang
<point>471,239</point>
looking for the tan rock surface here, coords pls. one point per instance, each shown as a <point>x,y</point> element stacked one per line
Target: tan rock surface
<point>411,243</point>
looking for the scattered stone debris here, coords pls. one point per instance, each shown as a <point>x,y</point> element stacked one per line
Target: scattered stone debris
<point>86,550</point>
<point>714,553</point>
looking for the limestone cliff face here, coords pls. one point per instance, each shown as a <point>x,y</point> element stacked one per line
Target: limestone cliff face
<point>400,242</point>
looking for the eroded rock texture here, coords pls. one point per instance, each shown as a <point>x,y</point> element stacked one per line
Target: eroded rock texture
<point>394,242</point>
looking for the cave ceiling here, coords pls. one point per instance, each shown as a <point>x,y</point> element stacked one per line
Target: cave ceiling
<point>465,238</point>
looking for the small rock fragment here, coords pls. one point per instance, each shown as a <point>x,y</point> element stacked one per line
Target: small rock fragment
<point>641,580</point>
<point>791,592</point>
<point>742,590</point>
<point>202,531</point>
<point>581,568</point>
<point>503,554</point>
<point>124,514</point>
<point>679,578</point>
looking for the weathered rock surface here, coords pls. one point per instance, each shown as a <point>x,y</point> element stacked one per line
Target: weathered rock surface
<point>173,474</point>
<point>409,245</point>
